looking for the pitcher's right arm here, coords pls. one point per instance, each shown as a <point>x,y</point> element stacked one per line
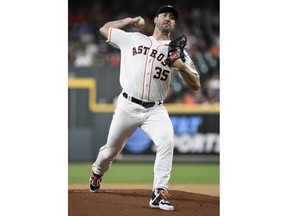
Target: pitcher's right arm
<point>104,30</point>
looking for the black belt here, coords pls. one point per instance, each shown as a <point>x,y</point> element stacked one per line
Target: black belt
<point>145,104</point>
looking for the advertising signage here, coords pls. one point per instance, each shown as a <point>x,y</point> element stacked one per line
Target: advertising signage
<point>193,134</point>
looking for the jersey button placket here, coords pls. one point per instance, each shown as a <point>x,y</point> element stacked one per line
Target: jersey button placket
<point>148,74</point>
<point>147,85</point>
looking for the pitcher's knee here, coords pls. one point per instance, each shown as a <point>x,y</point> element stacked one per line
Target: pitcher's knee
<point>167,143</point>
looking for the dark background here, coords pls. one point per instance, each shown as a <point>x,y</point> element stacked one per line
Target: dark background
<point>198,20</point>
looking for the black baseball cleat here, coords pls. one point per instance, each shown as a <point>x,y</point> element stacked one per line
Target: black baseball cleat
<point>159,200</point>
<point>94,182</point>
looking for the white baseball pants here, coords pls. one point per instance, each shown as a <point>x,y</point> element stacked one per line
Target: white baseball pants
<point>155,122</point>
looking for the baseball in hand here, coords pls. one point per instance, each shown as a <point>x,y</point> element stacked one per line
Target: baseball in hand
<point>141,22</point>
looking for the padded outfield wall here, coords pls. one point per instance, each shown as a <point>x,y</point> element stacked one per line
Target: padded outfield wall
<point>92,94</point>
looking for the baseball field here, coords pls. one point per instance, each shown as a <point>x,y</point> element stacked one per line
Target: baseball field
<point>126,189</point>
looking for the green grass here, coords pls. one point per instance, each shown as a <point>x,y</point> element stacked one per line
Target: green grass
<point>143,173</point>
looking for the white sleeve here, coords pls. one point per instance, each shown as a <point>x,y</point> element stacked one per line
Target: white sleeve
<point>116,37</point>
<point>189,63</point>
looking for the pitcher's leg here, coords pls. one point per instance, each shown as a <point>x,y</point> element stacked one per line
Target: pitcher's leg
<point>159,128</point>
<point>122,127</point>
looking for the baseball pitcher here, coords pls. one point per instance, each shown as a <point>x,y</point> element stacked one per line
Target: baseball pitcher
<point>148,63</point>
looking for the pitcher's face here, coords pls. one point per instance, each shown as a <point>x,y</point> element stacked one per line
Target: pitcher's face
<point>165,22</point>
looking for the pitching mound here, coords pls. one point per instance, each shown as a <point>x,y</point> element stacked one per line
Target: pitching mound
<point>135,202</point>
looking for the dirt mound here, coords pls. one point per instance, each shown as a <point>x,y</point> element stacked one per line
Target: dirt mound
<point>135,202</point>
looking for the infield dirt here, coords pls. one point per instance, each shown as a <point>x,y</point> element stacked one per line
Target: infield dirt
<point>120,202</point>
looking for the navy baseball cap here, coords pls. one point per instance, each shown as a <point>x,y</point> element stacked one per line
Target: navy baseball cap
<point>168,8</point>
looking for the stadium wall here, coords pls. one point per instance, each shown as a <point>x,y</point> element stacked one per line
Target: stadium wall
<point>92,95</point>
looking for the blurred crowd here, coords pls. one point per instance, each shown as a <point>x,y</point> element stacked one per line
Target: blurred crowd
<point>198,20</point>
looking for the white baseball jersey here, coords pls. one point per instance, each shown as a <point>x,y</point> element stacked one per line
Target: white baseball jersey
<point>143,72</point>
